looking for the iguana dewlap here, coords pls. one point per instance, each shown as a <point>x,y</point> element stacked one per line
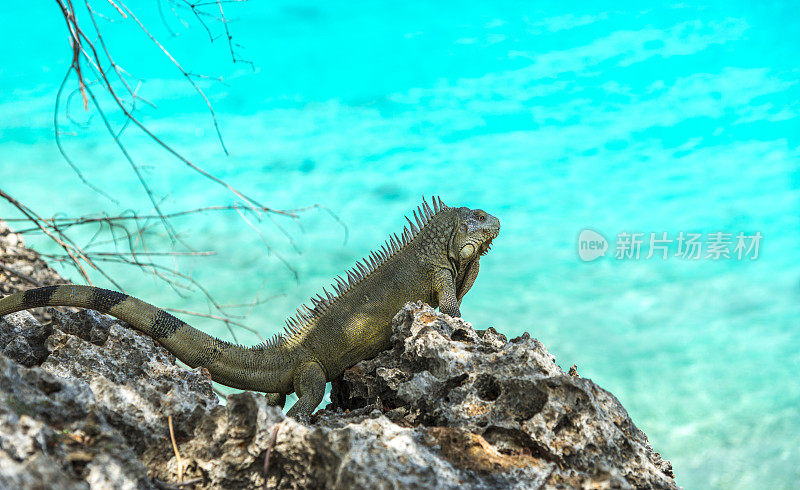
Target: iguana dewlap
<point>434,260</point>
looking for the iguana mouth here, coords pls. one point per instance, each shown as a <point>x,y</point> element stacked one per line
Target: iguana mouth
<point>486,246</point>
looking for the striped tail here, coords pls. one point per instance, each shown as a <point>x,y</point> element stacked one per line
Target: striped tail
<point>258,369</point>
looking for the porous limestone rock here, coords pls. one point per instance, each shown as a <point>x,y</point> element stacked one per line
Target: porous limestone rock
<point>431,412</point>
<point>503,410</point>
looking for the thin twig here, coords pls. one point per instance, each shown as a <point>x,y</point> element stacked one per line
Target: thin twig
<point>266,243</point>
<point>227,321</point>
<point>175,448</point>
<point>230,38</point>
<point>271,445</point>
<point>19,274</point>
<point>68,248</point>
<point>292,213</point>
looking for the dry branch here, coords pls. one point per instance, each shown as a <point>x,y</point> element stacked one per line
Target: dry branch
<point>127,238</point>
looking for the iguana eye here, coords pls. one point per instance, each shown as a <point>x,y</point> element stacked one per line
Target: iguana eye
<point>481,217</point>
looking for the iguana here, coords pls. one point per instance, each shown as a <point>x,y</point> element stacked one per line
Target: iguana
<point>435,260</point>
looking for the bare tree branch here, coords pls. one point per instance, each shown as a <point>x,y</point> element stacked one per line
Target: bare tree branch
<point>113,96</point>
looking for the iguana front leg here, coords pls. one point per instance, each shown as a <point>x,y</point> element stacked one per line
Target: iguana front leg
<point>445,289</point>
<point>309,384</point>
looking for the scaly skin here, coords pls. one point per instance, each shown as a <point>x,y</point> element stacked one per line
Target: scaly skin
<point>434,261</point>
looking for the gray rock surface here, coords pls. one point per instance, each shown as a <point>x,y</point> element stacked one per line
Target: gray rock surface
<point>22,268</point>
<point>85,403</point>
<point>501,412</point>
<point>431,412</point>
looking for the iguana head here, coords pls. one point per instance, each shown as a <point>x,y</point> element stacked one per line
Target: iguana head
<point>474,234</point>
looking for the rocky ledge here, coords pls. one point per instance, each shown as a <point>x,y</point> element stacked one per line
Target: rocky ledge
<point>85,402</point>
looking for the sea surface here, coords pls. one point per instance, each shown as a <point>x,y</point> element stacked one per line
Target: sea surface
<point>641,117</point>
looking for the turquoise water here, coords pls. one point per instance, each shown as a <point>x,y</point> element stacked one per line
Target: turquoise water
<point>659,118</point>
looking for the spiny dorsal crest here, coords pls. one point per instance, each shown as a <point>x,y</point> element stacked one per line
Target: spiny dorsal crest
<point>298,323</point>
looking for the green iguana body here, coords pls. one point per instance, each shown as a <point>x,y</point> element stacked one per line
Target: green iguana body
<point>434,261</point>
